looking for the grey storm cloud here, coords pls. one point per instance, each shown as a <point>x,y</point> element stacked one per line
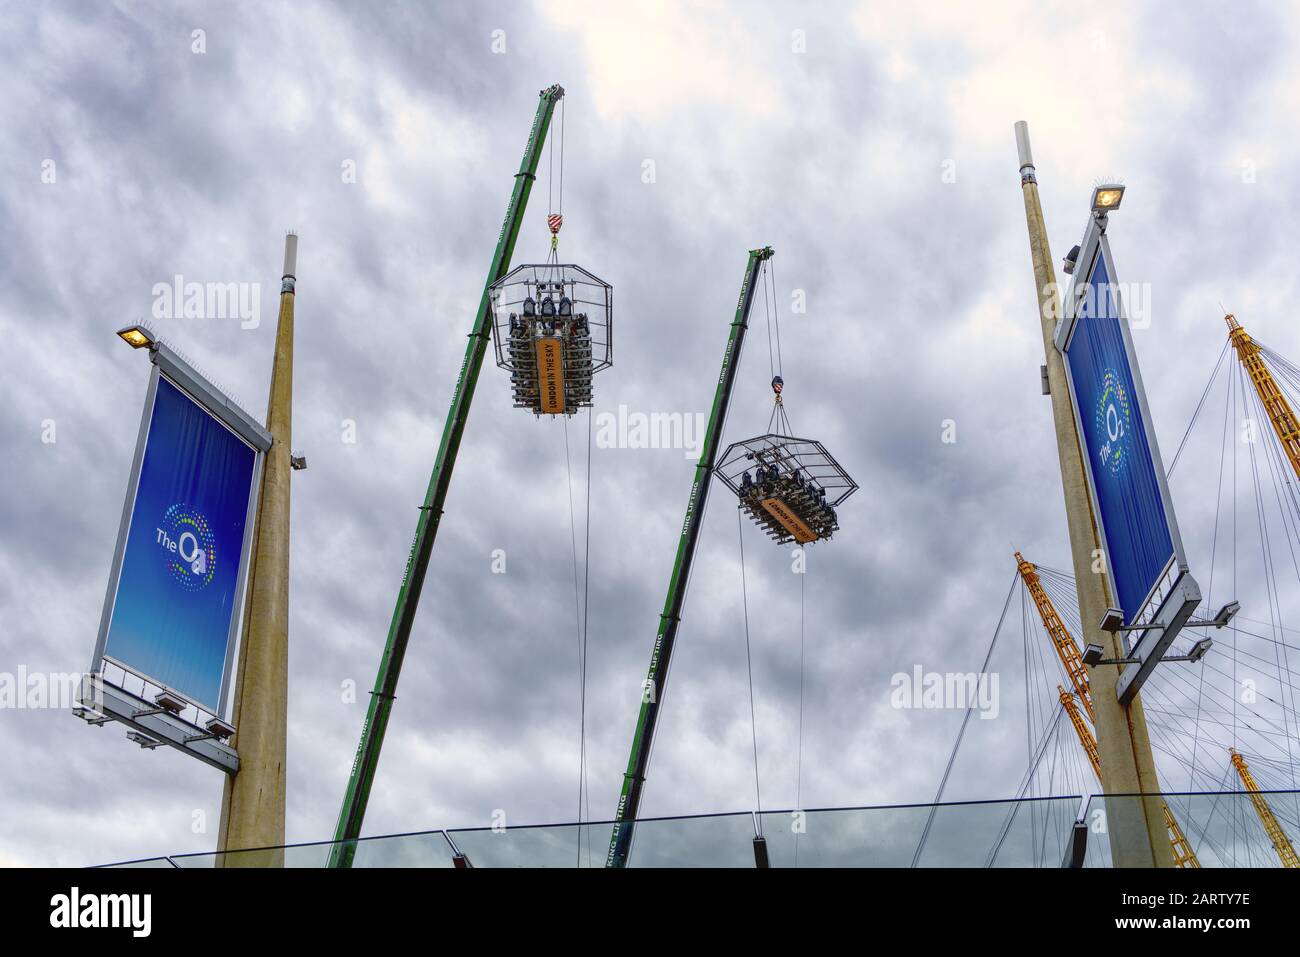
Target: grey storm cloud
<point>878,160</point>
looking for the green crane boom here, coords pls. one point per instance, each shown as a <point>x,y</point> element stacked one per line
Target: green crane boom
<point>417,562</point>
<point>629,801</point>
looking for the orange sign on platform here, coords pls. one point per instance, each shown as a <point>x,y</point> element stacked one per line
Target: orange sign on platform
<point>793,524</point>
<point>550,374</point>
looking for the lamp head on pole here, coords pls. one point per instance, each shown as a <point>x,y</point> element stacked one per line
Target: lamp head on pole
<point>137,336</point>
<point>1107,197</point>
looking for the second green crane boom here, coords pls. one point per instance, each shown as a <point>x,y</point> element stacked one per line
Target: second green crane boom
<point>629,802</point>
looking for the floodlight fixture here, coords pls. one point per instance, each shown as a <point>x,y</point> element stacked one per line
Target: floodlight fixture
<point>1107,197</point>
<point>1112,621</point>
<point>1226,614</point>
<point>219,729</point>
<point>90,715</point>
<point>137,336</point>
<point>143,740</point>
<point>170,702</point>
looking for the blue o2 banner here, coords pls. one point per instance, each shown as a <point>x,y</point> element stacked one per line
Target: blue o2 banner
<point>180,575</point>
<point>1135,526</point>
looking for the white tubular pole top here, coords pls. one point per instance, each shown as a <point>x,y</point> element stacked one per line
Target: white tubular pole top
<point>290,255</point>
<point>1022,144</point>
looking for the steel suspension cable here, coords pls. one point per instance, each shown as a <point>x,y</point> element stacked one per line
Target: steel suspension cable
<point>775,363</point>
<point>580,605</point>
<point>965,722</point>
<point>1020,793</point>
<point>560,204</point>
<point>1242,386</point>
<point>767,315</point>
<point>776,316</point>
<point>1270,582</point>
<point>577,610</point>
<point>1214,547</point>
<point>749,668</point>
<point>554,208</point>
<point>1195,415</point>
<point>586,618</point>
<point>803,593</point>
<point>798,776</point>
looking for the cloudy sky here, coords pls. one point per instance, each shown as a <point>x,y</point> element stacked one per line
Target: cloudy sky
<point>870,143</point>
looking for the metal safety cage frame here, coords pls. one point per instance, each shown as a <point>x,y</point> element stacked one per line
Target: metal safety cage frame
<point>787,454</point>
<point>113,702</point>
<point>591,297</point>
<point>1175,594</point>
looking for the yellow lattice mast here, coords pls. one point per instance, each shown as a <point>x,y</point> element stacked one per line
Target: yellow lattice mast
<point>1080,726</point>
<point>1287,428</point>
<point>1068,651</point>
<point>1281,843</point>
<point>1184,856</point>
<point>1061,639</point>
<point>1275,404</point>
